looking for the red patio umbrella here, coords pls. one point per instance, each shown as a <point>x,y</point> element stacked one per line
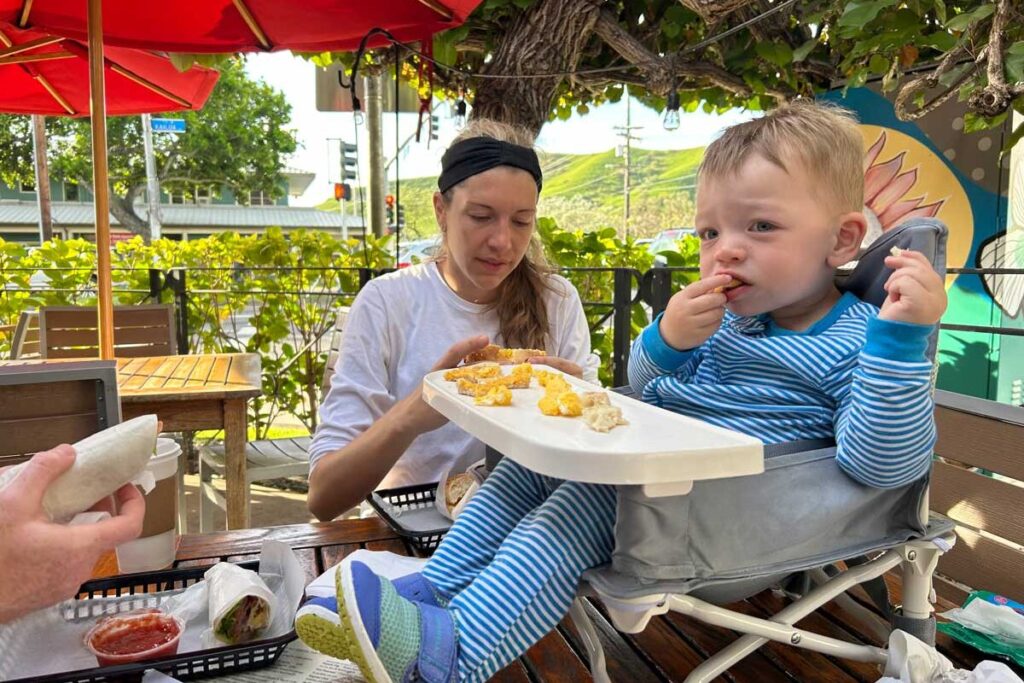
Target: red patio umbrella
<point>213,26</point>
<point>48,75</point>
<point>242,25</point>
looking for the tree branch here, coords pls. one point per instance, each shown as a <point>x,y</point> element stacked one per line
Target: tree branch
<point>996,97</point>
<point>927,82</point>
<point>713,10</point>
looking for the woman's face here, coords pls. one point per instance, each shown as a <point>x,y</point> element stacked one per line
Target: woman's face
<point>487,229</point>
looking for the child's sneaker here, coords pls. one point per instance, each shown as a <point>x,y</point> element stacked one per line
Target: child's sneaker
<point>389,637</point>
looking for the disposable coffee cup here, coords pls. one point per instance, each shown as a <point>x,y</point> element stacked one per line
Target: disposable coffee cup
<point>156,545</point>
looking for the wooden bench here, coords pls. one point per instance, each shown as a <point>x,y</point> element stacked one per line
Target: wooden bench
<point>25,336</point>
<point>978,481</point>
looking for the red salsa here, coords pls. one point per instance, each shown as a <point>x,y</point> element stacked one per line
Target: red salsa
<point>134,637</point>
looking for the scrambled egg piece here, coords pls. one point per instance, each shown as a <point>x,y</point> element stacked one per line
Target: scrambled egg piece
<point>474,373</point>
<point>603,417</point>
<point>569,404</point>
<point>497,395</point>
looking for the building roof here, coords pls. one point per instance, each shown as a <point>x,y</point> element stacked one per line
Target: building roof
<point>70,214</point>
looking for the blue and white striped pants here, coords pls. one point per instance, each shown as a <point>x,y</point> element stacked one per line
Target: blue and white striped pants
<point>511,563</point>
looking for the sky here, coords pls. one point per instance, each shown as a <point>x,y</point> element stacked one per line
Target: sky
<point>318,132</point>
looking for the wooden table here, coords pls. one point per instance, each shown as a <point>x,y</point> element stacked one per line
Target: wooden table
<point>189,393</point>
<point>202,391</point>
<point>666,651</point>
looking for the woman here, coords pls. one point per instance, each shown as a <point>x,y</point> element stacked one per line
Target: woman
<point>490,283</point>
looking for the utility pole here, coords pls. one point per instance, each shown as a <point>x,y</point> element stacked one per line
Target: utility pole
<point>626,132</point>
<point>42,170</point>
<point>374,127</point>
<point>152,181</point>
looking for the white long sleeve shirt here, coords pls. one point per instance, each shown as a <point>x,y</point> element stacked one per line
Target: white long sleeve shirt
<point>399,326</point>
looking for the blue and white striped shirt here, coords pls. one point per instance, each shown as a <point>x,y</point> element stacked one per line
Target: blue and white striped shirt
<point>864,381</point>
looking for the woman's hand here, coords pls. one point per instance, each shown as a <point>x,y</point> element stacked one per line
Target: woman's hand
<point>412,412</point>
<point>566,366</point>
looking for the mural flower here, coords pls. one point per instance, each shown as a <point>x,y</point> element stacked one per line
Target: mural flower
<point>1006,250</point>
<point>886,185</point>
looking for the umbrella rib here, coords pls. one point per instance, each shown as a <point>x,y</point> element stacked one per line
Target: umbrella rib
<point>25,9</point>
<point>250,21</point>
<point>56,95</point>
<point>12,49</point>
<point>45,57</point>
<point>149,85</point>
<point>438,7</point>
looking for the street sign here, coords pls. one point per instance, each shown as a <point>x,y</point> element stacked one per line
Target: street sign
<point>168,125</point>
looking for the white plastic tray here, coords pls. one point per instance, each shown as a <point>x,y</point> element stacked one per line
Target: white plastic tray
<point>662,450</point>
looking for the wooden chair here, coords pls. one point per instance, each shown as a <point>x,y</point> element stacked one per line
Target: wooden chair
<point>46,404</point>
<point>978,482</point>
<point>72,331</point>
<point>25,341</point>
<point>265,458</point>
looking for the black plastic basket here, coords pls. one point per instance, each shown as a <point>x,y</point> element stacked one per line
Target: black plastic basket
<point>186,666</point>
<point>410,498</point>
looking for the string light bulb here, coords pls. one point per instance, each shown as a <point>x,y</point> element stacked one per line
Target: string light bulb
<point>671,119</point>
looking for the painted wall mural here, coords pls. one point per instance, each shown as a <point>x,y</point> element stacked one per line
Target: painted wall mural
<point>932,167</point>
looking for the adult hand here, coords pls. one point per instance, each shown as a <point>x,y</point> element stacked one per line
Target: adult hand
<point>412,411</point>
<point>916,293</point>
<point>694,313</point>
<point>42,562</point>
<point>563,364</point>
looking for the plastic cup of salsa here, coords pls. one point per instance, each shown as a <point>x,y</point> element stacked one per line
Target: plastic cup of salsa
<point>134,637</point>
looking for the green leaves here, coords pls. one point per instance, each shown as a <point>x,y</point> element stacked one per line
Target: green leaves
<point>962,22</point>
<point>859,14</point>
<point>778,54</point>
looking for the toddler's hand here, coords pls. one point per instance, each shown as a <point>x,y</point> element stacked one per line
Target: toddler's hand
<point>694,313</point>
<point>917,293</point>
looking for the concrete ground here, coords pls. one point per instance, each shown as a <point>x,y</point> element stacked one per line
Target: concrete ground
<point>269,506</point>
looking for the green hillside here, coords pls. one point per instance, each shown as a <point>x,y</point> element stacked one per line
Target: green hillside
<point>584,191</point>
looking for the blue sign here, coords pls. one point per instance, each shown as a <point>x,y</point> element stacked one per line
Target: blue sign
<point>168,125</point>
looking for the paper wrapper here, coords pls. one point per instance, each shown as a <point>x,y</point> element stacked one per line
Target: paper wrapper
<point>104,462</point>
<point>227,586</point>
<point>479,472</point>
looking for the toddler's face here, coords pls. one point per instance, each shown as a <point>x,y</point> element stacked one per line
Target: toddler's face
<point>770,230</point>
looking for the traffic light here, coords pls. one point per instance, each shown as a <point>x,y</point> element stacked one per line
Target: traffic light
<point>389,202</point>
<point>401,216</point>
<point>342,191</point>
<point>435,124</point>
<point>349,161</point>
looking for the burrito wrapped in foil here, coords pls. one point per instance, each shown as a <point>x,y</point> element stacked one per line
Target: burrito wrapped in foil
<point>240,604</point>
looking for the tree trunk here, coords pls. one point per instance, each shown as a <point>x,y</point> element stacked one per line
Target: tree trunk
<point>547,38</point>
<point>123,209</point>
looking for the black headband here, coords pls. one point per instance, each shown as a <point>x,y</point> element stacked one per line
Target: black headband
<point>475,155</point>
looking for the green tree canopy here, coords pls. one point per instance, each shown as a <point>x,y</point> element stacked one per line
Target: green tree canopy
<point>240,139</point>
<point>569,54</point>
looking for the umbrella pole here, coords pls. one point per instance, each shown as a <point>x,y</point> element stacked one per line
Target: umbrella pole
<point>101,187</point>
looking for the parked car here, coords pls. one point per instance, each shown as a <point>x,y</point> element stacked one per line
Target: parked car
<point>667,240</point>
<point>417,251</point>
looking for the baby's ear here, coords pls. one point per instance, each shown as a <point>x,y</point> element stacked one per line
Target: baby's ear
<point>852,228</point>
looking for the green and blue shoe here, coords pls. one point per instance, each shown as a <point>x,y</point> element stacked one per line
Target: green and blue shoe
<point>390,637</point>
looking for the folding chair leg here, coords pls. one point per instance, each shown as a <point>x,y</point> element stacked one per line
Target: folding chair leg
<point>915,614</point>
<point>919,560</point>
<point>588,634</point>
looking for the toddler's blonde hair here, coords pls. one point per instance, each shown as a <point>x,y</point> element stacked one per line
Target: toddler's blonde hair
<point>825,138</point>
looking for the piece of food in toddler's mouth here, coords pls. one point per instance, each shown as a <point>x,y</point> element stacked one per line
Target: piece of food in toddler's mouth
<point>732,284</point>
